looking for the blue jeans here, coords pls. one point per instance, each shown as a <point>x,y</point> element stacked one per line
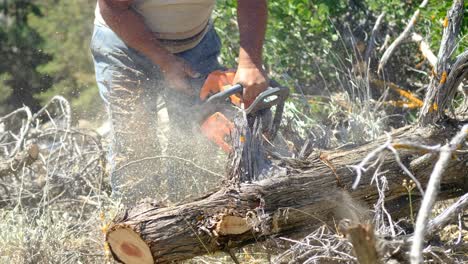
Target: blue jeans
<point>130,85</point>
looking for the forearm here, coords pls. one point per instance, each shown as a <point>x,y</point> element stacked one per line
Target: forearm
<point>252,20</point>
<point>130,27</point>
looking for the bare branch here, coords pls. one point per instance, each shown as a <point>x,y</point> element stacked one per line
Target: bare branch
<point>424,48</point>
<point>371,43</point>
<point>361,167</point>
<point>440,91</point>
<point>432,192</point>
<point>447,215</point>
<point>401,38</point>
<point>23,131</point>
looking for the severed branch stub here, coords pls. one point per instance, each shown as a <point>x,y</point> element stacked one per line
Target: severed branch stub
<point>364,243</point>
<point>131,248</point>
<point>424,48</point>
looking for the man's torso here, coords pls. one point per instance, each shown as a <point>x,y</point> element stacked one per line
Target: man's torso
<point>173,20</point>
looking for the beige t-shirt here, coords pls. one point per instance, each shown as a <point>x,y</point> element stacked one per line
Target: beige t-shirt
<point>179,24</point>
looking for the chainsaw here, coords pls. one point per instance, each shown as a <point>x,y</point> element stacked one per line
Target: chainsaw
<point>220,102</point>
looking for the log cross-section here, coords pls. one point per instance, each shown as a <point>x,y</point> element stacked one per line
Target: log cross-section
<point>307,197</point>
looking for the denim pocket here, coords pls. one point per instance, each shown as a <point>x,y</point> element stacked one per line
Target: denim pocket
<point>205,52</point>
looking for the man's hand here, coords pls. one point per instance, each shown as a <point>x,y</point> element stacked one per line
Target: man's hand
<point>131,28</point>
<point>254,81</point>
<point>252,20</point>
<point>177,73</point>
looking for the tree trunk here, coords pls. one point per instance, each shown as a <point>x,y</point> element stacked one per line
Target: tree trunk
<point>308,196</point>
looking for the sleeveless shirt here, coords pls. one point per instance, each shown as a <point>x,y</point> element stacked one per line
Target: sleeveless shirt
<point>178,24</point>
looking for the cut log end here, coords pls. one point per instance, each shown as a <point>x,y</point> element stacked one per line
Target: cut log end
<point>128,246</point>
<point>232,225</point>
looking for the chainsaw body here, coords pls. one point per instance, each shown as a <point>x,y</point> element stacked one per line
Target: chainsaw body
<point>221,102</point>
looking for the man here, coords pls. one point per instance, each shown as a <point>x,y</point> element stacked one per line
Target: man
<point>143,49</point>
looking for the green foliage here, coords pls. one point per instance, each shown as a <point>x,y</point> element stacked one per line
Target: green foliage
<point>67,26</point>
<point>299,33</point>
<point>431,24</point>
<point>21,55</point>
<point>307,36</point>
<point>5,93</point>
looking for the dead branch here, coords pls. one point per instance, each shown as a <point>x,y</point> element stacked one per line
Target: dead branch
<point>401,38</point>
<point>447,216</point>
<point>439,90</point>
<point>18,141</point>
<point>432,192</point>
<point>371,43</point>
<point>424,48</point>
<point>322,245</point>
<point>58,162</point>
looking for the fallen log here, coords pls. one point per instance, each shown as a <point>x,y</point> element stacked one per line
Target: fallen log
<point>308,196</point>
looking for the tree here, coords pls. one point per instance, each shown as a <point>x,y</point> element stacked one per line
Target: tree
<point>22,55</point>
<point>67,26</point>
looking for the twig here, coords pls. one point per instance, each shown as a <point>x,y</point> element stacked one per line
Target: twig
<point>23,130</point>
<point>64,106</point>
<point>447,215</point>
<point>361,167</point>
<point>432,192</point>
<point>405,169</point>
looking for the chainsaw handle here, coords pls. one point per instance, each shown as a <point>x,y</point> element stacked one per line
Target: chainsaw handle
<point>268,98</point>
<point>272,96</point>
<point>222,96</point>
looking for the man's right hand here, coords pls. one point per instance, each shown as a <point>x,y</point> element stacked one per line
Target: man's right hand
<point>130,27</point>
<point>177,72</point>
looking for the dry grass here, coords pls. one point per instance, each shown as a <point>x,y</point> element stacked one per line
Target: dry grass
<point>51,210</point>
<point>51,236</point>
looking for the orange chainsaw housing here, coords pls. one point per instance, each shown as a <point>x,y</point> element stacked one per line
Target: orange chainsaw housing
<point>217,127</point>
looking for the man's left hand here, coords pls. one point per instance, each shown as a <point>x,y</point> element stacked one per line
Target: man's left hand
<point>254,80</point>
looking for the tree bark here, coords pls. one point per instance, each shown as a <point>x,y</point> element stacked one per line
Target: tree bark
<point>448,74</point>
<point>308,196</point>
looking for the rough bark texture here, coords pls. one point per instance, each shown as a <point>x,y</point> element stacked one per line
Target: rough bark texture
<point>364,244</point>
<point>443,86</point>
<point>307,197</point>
